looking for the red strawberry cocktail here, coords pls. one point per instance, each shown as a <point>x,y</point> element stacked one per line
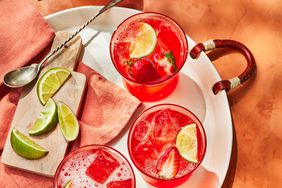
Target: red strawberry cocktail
<point>148,50</point>
<point>95,166</point>
<point>167,143</point>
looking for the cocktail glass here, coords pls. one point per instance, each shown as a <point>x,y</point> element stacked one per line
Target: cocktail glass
<point>95,166</point>
<point>154,133</point>
<point>170,38</point>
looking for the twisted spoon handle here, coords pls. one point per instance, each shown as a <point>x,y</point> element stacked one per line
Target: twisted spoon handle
<point>106,7</point>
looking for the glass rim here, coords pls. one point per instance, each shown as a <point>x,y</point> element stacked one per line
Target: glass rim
<point>92,146</point>
<point>185,41</point>
<point>140,116</point>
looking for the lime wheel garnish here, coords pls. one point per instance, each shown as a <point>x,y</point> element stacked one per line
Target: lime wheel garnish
<point>187,143</point>
<point>145,41</point>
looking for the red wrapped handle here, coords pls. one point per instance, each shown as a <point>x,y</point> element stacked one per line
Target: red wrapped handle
<point>236,81</point>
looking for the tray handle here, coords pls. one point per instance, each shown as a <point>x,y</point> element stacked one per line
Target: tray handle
<point>233,82</point>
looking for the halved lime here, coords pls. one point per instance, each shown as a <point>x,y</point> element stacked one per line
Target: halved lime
<point>68,184</point>
<point>145,41</point>
<point>187,143</point>
<point>50,83</point>
<point>46,120</point>
<point>68,122</point>
<point>26,147</point>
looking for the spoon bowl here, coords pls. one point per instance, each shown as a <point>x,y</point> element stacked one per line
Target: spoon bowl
<point>21,76</point>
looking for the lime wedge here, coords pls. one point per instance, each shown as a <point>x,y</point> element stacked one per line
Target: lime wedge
<point>26,147</point>
<point>46,120</point>
<point>50,83</point>
<point>68,122</point>
<point>187,144</point>
<point>145,41</point>
<point>68,184</point>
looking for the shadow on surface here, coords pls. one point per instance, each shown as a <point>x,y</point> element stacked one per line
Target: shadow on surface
<point>229,179</point>
<point>189,95</point>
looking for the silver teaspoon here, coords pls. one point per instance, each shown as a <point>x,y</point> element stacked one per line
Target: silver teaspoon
<point>24,75</point>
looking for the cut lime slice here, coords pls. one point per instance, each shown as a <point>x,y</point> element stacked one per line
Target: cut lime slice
<point>187,144</point>
<point>68,122</point>
<point>145,41</point>
<point>46,120</point>
<point>26,147</point>
<point>68,184</point>
<point>50,83</point>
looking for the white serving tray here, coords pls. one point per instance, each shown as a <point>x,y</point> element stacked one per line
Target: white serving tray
<point>193,91</point>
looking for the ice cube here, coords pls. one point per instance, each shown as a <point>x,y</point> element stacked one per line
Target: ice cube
<point>102,167</point>
<point>142,131</point>
<point>165,127</point>
<point>145,150</point>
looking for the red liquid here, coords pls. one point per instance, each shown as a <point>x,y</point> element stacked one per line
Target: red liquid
<point>167,41</point>
<point>170,39</point>
<point>153,135</point>
<point>98,167</point>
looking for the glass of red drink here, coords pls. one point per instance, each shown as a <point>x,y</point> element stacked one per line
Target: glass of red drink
<point>95,166</point>
<point>153,144</point>
<point>148,50</point>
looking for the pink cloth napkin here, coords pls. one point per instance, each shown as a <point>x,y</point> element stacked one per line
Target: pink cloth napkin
<point>24,39</point>
<point>21,27</point>
<point>106,109</point>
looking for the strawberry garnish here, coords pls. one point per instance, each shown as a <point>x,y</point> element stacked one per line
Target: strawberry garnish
<point>165,64</point>
<point>168,164</point>
<point>169,56</point>
<point>143,70</point>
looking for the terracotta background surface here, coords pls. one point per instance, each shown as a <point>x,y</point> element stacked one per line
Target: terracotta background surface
<point>257,106</point>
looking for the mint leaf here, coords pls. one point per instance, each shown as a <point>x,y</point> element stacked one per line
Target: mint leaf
<point>171,59</point>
